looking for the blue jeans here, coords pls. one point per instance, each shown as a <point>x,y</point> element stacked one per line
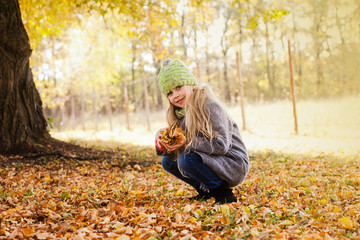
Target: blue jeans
<point>197,174</point>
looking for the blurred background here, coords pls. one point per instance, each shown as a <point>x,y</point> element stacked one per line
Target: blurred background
<point>95,64</point>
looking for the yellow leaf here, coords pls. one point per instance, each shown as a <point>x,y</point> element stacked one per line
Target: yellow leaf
<point>224,209</point>
<point>192,220</point>
<point>47,178</point>
<point>180,192</point>
<point>199,212</point>
<point>346,223</point>
<point>92,184</point>
<point>137,192</point>
<point>312,179</point>
<point>336,209</point>
<point>246,209</point>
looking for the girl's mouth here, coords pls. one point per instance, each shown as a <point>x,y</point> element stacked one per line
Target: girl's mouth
<point>180,101</point>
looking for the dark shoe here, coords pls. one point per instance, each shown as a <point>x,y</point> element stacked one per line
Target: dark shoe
<point>223,194</point>
<point>202,196</point>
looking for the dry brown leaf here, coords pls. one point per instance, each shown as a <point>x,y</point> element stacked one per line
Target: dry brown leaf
<point>43,235</point>
<point>93,215</point>
<point>177,218</point>
<point>123,237</point>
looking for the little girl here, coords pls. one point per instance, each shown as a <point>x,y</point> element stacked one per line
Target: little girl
<point>212,158</point>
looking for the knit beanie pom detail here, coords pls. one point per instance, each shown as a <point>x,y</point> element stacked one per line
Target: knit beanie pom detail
<point>174,73</point>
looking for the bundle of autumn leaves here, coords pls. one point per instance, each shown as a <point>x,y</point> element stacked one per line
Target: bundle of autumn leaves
<point>172,135</point>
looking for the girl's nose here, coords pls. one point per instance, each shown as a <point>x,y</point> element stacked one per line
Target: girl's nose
<point>175,94</point>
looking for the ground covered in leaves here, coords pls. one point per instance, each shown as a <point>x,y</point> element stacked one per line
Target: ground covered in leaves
<point>127,195</point>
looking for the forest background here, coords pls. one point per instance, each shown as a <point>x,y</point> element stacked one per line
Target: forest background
<point>95,65</point>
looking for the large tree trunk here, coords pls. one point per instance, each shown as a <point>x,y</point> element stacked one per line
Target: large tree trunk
<point>23,127</point>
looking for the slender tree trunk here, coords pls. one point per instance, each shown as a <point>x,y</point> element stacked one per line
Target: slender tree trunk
<point>183,35</point>
<point>225,48</point>
<point>82,111</point>
<point>344,74</point>
<point>62,117</point>
<point>292,85</point>
<point>207,59</point>
<point>109,106</point>
<point>23,127</point>
<point>133,72</point>
<point>126,105</point>
<point>253,71</point>
<point>318,39</point>
<point>318,65</point>
<point>241,89</point>
<point>73,110</point>
<point>95,108</point>
<point>197,60</point>
<point>297,61</point>
<point>226,79</point>
<point>268,67</point>
<point>158,92</point>
<point>147,106</point>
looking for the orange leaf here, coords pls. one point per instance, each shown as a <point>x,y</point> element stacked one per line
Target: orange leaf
<point>27,232</point>
<point>225,220</point>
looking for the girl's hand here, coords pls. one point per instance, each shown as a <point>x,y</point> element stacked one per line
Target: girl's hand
<point>158,137</point>
<point>168,147</point>
<point>171,148</point>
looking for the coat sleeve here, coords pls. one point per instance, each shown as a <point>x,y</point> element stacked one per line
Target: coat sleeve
<point>219,145</point>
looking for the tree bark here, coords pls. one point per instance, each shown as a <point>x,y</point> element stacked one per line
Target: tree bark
<point>268,67</point>
<point>23,127</point>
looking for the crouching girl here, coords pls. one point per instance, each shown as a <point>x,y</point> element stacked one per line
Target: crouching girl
<point>212,158</point>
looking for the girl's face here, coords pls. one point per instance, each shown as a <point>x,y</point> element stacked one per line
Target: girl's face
<point>180,95</point>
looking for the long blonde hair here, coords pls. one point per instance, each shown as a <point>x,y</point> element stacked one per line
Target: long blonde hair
<point>197,119</point>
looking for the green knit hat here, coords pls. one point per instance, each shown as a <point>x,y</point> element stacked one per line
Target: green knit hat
<point>174,73</point>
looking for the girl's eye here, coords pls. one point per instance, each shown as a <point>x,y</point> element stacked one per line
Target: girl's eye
<point>169,94</point>
<point>178,87</point>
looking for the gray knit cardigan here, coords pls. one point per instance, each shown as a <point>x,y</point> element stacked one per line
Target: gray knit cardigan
<point>226,154</point>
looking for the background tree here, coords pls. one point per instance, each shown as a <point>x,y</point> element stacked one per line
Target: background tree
<point>22,123</point>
